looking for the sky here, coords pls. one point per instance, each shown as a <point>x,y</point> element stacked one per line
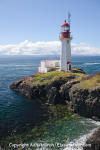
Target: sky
<point>32,27</point>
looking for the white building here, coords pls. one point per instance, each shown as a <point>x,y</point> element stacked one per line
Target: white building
<point>48,65</point>
<point>64,64</point>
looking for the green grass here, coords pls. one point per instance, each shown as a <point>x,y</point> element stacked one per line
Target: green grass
<point>86,81</point>
<point>48,78</point>
<point>90,82</point>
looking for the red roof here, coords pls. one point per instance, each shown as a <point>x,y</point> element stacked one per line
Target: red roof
<point>65,24</point>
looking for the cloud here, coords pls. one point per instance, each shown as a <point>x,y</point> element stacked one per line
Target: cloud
<point>84,49</point>
<point>46,48</point>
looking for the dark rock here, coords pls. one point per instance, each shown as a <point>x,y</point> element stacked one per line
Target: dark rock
<point>93,143</point>
<point>53,96</point>
<point>95,118</point>
<point>65,89</point>
<point>15,85</point>
<point>86,102</point>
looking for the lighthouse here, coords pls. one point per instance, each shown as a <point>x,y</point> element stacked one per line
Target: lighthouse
<point>64,64</point>
<point>65,38</point>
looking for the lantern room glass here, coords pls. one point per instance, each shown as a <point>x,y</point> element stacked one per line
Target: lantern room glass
<point>64,29</point>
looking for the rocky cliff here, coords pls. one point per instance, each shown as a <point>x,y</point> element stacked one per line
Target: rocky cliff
<point>81,92</point>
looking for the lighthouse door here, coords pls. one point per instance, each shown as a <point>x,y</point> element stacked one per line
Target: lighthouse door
<point>69,66</point>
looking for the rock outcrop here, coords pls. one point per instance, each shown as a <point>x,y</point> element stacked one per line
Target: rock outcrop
<point>93,143</point>
<point>81,92</point>
<point>86,102</point>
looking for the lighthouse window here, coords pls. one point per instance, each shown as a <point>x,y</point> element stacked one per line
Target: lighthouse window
<point>62,29</point>
<point>66,28</point>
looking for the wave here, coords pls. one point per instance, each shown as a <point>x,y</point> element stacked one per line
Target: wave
<point>79,143</point>
<point>91,63</point>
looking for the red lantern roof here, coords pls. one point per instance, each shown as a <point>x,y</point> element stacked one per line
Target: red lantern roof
<point>65,24</point>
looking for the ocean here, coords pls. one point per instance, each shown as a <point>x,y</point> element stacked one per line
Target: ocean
<point>17,111</point>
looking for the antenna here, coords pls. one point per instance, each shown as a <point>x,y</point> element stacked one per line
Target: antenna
<point>69,18</point>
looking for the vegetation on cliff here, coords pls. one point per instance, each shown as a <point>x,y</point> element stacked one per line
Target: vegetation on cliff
<point>49,77</point>
<point>91,81</point>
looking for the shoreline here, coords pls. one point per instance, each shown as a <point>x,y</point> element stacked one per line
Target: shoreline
<point>80,143</point>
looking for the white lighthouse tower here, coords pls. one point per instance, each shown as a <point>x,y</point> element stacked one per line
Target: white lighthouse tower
<point>65,58</point>
<point>65,38</point>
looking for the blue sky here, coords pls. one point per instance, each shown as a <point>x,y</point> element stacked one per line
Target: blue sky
<point>40,20</point>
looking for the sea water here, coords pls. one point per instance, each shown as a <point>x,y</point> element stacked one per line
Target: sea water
<point>18,112</point>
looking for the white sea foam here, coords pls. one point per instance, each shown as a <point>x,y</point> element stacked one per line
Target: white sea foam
<point>78,144</point>
<point>91,63</point>
<point>81,141</point>
<point>94,122</point>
